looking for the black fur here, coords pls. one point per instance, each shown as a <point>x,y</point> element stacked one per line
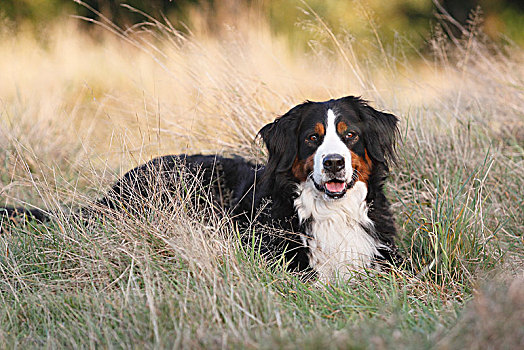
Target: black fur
<point>260,199</point>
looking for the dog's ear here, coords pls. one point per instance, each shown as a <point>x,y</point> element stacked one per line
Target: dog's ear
<point>381,134</point>
<point>281,141</point>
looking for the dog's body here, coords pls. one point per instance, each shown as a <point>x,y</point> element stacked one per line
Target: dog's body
<point>319,200</point>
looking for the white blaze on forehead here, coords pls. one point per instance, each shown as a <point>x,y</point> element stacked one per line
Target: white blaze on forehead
<point>332,144</point>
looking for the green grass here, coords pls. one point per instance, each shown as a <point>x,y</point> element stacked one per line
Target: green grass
<point>125,298</point>
<point>98,289</point>
<point>180,277</point>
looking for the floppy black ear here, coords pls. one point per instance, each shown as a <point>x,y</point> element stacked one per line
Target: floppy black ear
<point>381,134</point>
<point>281,141</point>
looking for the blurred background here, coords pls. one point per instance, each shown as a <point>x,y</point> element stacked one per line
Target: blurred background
<point>502,19</point>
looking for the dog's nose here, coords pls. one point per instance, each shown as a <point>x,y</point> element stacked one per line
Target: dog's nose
<point>334,163</point>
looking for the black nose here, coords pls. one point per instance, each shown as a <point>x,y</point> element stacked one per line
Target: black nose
<point>333,163</point>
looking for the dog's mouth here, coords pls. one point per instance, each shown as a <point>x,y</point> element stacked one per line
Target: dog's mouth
<point>335,188</point>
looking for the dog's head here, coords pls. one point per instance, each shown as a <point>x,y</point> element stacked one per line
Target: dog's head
<point>332,144</point>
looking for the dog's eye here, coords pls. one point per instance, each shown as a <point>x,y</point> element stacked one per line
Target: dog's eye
<point>349,136</point>
<point>313,137</point>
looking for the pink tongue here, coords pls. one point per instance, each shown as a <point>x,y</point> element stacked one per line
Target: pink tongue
<point>335,186</point>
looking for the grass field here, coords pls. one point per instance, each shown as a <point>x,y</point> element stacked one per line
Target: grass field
<point>77,111</point>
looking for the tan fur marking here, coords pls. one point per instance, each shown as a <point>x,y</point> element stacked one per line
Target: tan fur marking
<point>319,129</point>
<point>302,168</point>
<point>342,127</point>
<point>362,166</point>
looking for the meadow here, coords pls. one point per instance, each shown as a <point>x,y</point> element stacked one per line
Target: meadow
<point>79,109</point>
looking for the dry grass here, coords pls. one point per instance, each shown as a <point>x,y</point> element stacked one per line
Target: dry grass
<point>77,112</point>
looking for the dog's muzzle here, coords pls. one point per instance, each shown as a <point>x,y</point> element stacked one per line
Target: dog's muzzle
<point>337,185</point>
<point>334,163</point>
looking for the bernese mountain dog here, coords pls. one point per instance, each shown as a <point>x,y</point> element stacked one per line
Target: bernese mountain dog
<point>318,205</point>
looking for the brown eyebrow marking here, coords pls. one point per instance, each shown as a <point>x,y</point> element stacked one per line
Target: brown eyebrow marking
<point>319,129</point>
<point>341,127</point>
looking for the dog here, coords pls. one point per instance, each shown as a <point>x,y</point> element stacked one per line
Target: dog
<point>318,204</point>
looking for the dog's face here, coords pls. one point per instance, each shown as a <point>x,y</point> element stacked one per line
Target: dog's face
<point>333,143</point>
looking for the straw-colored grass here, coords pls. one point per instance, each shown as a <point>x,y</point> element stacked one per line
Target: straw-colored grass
<point>77,112</point>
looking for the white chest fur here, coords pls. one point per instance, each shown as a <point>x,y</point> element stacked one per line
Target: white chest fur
<point>337,241</point>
